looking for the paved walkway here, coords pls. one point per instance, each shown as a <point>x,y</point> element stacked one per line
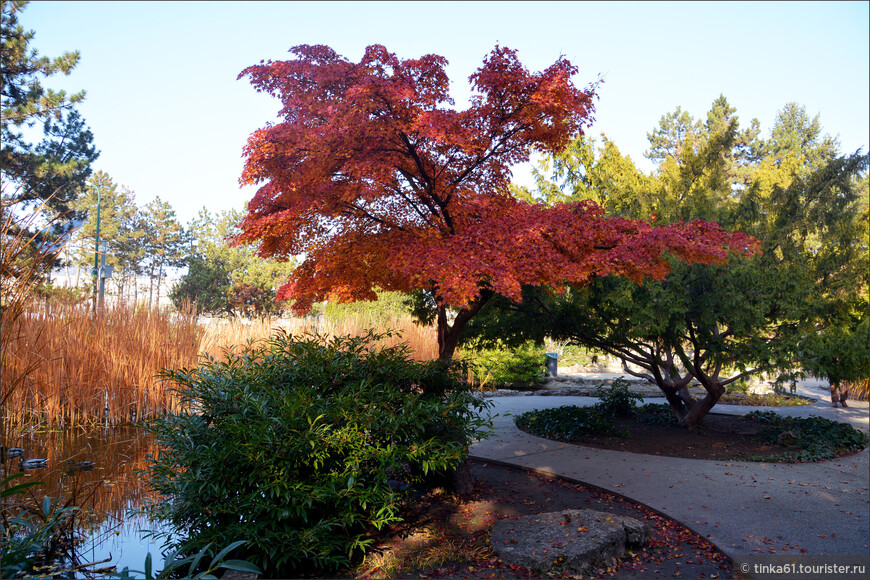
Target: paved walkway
<point>743,508</point>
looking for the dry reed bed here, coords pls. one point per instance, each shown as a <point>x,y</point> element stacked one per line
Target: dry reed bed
<point>86,368</point>
<point>75,368</point>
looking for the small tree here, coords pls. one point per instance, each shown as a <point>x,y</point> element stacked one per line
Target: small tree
<point>381,184</point>
<point>206,284</point>
<point>839,352</point>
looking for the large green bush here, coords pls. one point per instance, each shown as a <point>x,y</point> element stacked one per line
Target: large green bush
<point>299,445</point>
<point>499,365</point>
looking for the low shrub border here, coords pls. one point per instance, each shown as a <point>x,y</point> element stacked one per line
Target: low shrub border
<point>812,439</point>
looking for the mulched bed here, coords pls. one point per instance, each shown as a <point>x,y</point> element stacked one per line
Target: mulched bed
<point>720,437</point>
<point>451,537</point>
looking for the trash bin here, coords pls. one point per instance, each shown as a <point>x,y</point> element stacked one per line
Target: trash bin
<point>552,359</point>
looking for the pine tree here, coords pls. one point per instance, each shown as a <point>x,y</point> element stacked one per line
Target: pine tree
<point>222,276</point>
<point>164,242</point>
<point>56,169</point>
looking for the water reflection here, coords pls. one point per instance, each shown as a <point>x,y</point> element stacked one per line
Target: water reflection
<point>97,470</point>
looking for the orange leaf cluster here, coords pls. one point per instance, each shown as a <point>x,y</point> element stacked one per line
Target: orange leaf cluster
<point>378,182</point>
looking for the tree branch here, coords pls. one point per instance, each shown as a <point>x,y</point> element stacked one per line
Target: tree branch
<point>373,218</point>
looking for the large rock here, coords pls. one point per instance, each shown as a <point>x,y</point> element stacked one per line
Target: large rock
<point>567,541</point>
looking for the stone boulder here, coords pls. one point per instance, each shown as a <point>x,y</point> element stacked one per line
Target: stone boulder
<point>568,541</point>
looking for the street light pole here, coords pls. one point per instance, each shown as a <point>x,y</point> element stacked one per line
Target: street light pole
<point>102,274</point>
<point>96,273</point>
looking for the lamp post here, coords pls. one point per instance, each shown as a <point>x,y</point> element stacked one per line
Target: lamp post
<point>96,272</point>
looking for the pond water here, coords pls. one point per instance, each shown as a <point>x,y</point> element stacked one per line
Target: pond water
<point>97,469</point>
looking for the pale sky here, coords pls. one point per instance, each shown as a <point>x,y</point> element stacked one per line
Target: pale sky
<point>170,118</point>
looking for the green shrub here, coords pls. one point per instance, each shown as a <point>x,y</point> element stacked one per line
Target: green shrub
<point>292,443</point>
<point>738,387</point>
<point>573,354</point>
<point>617,400</point>
<point>40,540</point>
<point>31,534</point>
<point>173,566</point>
<point>502,366</point>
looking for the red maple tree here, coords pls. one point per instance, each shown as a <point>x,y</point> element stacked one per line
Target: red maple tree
<point>379,183</point>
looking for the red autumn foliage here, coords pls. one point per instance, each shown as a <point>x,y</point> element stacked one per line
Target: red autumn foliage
<point>380,183</point>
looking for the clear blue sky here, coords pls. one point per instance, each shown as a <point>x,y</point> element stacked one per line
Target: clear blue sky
<point>171,119</point>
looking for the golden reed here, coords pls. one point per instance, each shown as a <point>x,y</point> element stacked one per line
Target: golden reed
<point>75,368</point>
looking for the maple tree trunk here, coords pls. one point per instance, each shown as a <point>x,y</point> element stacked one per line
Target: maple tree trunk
<point>678,404</point>
<point>448,334</point>
<point>459,480</point>
<point>447,339</point>
<point>699,409</point>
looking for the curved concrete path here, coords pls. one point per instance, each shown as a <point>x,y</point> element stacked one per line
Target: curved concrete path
<point>743,508</point>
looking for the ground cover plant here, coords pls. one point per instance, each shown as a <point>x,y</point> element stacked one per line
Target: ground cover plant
<point>617,423</point>
<point>574,424</point>
<point>811,438</point>
<point>303,446</point>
